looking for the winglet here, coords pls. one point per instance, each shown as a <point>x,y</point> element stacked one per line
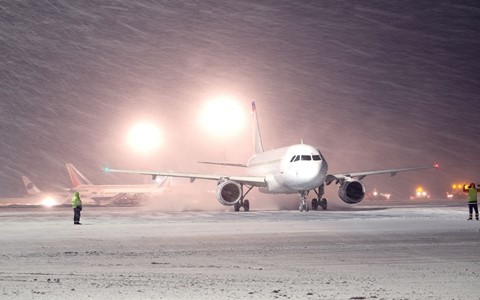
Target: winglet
<point>256,131</point>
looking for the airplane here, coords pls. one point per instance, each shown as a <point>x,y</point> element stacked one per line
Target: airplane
<point>107,194</point>
<point>298,168</point>
<point>34,197</point>
<point>48,198</point>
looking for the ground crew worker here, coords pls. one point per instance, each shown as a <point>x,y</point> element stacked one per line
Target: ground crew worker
<point>77,208</point>
<point>472,199</point>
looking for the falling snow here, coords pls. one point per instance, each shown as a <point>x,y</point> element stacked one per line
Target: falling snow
<point>372,84</point>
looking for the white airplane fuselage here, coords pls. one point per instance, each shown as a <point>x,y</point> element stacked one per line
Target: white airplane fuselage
<point>290,169</point>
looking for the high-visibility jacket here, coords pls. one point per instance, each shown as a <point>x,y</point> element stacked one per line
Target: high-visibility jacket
<point>472,195</point>
<point>76,202</point>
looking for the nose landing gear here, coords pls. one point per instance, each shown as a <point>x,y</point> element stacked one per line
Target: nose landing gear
<point>303,201</point>
<point>315,202</point>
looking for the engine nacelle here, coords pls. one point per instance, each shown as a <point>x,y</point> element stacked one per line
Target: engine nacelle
<point>351,191</point>
<point>229,192</point>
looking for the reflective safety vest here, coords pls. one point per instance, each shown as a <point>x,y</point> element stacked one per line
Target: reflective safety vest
<point>472,195</point>
<point>76,202</point>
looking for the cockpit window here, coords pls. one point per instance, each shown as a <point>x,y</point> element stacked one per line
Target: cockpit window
<point>316,157</point>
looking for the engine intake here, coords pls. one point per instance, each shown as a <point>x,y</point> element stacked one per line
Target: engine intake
<point>229,192</point>
<point>351,191</point>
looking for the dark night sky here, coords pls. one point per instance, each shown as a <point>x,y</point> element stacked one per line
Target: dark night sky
<point>372,84</point>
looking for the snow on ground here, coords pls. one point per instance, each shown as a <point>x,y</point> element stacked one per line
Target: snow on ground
<point>132,253</point>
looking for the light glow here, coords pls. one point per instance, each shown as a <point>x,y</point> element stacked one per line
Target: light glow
<point>144,137</point>
<point>49,202</point>
<point>223,116</point>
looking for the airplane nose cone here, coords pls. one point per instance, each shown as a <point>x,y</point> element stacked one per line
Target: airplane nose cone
<point>312,174</point>
<point>308,176</point>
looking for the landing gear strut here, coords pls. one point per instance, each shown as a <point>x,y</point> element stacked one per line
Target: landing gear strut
<point>303,204</point>
<point>243,202</point>
<point>323,202</point>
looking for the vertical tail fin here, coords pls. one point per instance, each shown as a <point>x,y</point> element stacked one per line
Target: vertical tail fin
<point>31,188</point>
<point>76,177</point>
<point>256,131</point>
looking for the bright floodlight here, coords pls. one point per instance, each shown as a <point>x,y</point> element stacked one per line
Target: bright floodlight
<point>223,116</point>
<point>144,137</point>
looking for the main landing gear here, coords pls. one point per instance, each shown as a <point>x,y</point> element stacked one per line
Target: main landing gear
<point>243,202</point>
<point>322,203</point>
<point>315,202</point>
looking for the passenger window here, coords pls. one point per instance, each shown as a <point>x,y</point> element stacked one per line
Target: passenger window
<point>306,157</point>
<point>316,157</point>
<point>297,158</point>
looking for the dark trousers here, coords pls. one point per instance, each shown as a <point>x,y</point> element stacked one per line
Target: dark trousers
<point>76,215</point>
<point>471,207</point>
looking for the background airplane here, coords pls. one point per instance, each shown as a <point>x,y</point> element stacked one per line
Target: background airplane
<point>299,168</point>
<point>108,194</point>
<point>34,197</point>
<point>48,198</point>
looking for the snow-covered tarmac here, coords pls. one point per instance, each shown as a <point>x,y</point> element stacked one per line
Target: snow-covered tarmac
<point>134,253</point>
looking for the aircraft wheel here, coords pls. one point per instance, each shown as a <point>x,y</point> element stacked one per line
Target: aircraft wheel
<point>246,205</point>
<point>314,204</point>
<point>323,204</point>
<point>236,206</point>
<point>303,207</point>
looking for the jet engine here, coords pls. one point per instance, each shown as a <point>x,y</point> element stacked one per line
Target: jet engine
<point>351,191</point>
<point>229,192</point>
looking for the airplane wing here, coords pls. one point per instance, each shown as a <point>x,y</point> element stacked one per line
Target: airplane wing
<point>257,181</point>
<point>362,175</point>
<point>223,164</point>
